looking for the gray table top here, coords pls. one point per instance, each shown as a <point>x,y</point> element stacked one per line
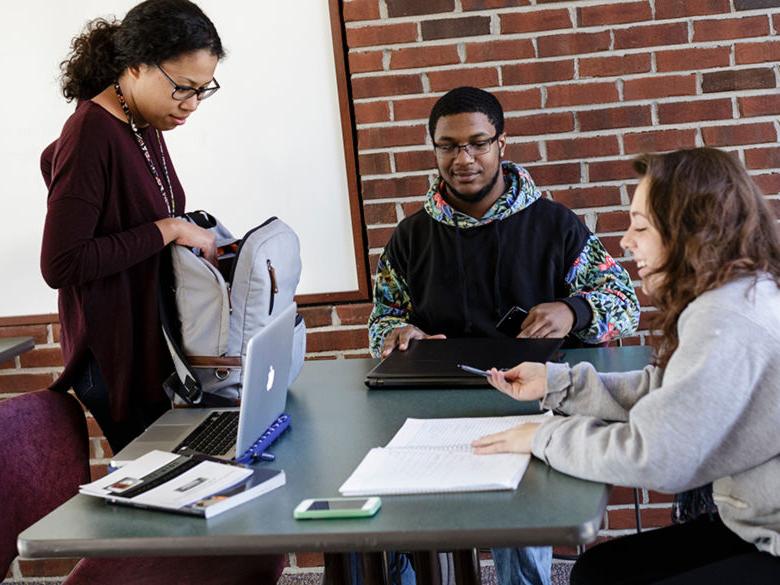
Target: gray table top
<point>335,421</point>
<point>10,347</point>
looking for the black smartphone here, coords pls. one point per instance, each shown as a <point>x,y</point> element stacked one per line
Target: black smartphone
<point>511,323</point>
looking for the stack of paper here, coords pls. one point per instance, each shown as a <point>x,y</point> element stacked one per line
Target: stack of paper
<point>186,484</point>
<point>434,455</point>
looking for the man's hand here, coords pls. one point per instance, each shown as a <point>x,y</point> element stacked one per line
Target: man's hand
<point>517,440</point>
<point>527,381</point>
<point>400,336</point>
<point>548,320</point>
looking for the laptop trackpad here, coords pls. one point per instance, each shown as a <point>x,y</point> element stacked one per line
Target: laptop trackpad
<point>163,433</point>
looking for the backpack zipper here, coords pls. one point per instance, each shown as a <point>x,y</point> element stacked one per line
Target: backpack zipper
<point>274,288</point>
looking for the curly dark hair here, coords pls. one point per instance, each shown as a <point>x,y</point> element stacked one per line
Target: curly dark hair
<point>716,227</point>
<point>462,100</point>
<point>152,32</point>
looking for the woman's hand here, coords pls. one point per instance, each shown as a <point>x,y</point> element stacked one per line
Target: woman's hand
<point>527,381</point>
<point>517,440</point>
<point>400,337</point>
<point>184,233</point>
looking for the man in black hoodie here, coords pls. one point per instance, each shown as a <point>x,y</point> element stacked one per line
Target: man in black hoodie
<point>486,241</point>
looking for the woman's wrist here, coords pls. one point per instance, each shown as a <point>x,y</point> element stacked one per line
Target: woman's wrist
<point>169,229</point>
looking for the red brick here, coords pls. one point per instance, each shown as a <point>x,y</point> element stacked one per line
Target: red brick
<point>763,51</point>
<point>360,10</point>
<point>776,21</point>
<point>365,61</point>
<point>659,86</point>
<point>386,34</point>
<point>659,498</point>
<point>555,174</point>
<point>47,567</point>
<point>411,57</point>
<point>415,7</point>
<point>97,471</point>
<point>318,358</point>
<point>374,164</point>
<point>659,140</point>
<point>613,221</point>
<point>499,50</point>
<point>414,109</point>
<point>730,28</point>
<point>93,429</point>
<point>452,78</point>
<point>528,99</point>
<point>373,260</point>
<point>651,518</point>
<point>573,44</point>
<point>522,152</point>
<point>13,383</point>
<point>316,316</point>
<point>612,245</point>
<point>414,160</point>
<point>739,134</point>
<point>42,358</point>
<point>694,111</point>
<point>774,205</point>
<point>540,124</point>
<point>537,72</point>
<point>579,148</point>
<point>610,170</point>
<point>755,4</point>
<point>469,26</point>
<point>621,496</point>
<point>588,197</point>
<point>692,59</point>
<point>760,158</point>
<point>614,66</point>
<point>615,13</point>
<point>388,136</point>
<point>716,81</point>
<point>318,341</point>
<point>486,4</point>
<point>651,36</point>
<point>538,20</point>
<point>56,331</point>
<point>354,314</point>
<point>411,208</point>
<point>37,332</point>
<point>379,213</point>
<point>385,85</point>
<point>769,184</point>
<point>396,187</point>
<point>581,93</point>
<point>371,112</point>
<point>309,559</point>
<point>679,8</point>
<point>624,117</point>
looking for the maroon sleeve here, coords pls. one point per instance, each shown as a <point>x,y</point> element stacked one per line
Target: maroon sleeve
<point>74,250</point>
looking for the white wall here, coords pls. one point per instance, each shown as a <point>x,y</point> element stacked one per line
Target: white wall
<point>268,143</point>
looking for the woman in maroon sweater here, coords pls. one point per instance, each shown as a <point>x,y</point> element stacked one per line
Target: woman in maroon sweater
<point>113,195</point>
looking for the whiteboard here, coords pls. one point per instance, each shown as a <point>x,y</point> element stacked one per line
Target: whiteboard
<point>268,143</point>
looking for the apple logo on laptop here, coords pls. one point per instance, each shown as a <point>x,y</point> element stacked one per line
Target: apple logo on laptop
<point>269,384</point>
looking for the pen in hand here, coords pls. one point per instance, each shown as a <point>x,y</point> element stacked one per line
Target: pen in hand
<point>472,370</point>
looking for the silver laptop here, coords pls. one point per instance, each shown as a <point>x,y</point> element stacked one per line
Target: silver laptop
<point>229,432</point>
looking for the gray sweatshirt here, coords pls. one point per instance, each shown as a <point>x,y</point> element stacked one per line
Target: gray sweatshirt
<point>713,414</point>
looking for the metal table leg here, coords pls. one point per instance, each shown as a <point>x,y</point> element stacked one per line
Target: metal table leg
<point>426,567</point>
<point>467,570</point>
<point>337,569</point>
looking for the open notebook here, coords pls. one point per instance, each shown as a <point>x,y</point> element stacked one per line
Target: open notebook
<point>434,456</point>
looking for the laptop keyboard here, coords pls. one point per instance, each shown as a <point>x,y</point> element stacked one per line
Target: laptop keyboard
<point>214,436</point>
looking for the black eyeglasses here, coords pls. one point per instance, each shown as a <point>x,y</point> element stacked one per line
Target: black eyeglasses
<point>449,150</point>
<point>185,92</point>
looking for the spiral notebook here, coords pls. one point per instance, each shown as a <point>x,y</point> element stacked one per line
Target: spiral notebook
<point>434,456</point>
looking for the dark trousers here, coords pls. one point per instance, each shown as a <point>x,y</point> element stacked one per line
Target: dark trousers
<point>701,551</point>
<point>91,390</point>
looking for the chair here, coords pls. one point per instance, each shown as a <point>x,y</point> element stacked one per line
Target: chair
<point>31,485</point>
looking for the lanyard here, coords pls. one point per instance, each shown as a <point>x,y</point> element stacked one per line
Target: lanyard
<point>169,200</point>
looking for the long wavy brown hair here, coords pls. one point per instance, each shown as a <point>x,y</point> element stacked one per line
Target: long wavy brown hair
<point>716,227</point>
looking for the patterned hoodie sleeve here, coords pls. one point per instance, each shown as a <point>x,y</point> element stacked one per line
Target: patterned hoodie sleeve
<point>596,277</point>
<point>392,304</point>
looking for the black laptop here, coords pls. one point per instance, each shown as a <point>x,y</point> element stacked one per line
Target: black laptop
<point>433,363</point>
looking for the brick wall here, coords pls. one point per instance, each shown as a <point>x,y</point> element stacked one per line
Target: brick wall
<point>585,85</point>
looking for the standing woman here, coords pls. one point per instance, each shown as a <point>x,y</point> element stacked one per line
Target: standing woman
<point>705,422</point>
<point>113,194</point>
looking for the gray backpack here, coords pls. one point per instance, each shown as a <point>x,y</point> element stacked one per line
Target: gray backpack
<point>210,313</point>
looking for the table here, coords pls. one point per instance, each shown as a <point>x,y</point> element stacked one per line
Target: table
<point>10,347</point>
<point>335,421</point>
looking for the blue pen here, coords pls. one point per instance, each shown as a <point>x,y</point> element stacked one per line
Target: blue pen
<point>471,370</point>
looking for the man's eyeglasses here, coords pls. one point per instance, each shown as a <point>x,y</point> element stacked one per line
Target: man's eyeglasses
<point>449,150</point>
<point>185,92</point>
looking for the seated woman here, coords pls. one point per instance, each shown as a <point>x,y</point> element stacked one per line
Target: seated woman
<point>704,422</point>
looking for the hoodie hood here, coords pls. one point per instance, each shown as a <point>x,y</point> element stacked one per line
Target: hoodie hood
<point>520,193</point>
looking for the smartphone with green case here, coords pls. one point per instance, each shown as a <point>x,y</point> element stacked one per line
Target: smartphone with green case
<point>323,508</point>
